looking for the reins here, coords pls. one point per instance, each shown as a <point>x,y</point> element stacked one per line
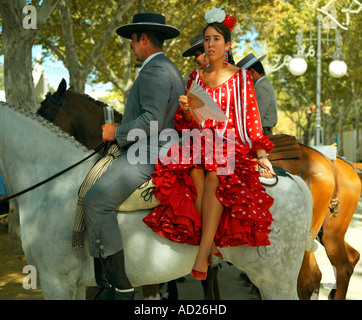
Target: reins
<point>96,150</point>
<point>272,184</point>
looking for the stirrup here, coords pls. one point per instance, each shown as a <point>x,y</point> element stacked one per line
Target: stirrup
<point>124,290</point>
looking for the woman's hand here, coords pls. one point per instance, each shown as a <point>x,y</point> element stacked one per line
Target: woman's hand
<point>184,103</point>
<point>266,167</point>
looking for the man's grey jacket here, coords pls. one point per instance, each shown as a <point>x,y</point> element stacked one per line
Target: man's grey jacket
<point>267,102</point>
<point>153,97</point>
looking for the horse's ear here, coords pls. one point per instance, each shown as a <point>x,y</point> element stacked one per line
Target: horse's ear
<point>62,87</point>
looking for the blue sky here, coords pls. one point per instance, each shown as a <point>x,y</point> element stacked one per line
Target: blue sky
<point>55,71</point>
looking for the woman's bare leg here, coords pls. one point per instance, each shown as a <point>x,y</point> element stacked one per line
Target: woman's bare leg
<point>212,210</point>
<point>198,177</point>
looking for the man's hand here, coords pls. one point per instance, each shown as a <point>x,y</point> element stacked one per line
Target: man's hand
<point>109,131</point>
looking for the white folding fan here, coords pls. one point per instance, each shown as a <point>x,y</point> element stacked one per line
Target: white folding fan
<point>203,107</point>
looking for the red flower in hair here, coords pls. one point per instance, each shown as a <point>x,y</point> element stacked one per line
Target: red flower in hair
<point>230,22</point>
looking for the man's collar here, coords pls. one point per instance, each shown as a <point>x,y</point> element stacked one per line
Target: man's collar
<point>259,80</point>
<point>149,58</point>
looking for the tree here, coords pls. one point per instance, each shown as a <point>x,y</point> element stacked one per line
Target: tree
<point>21,25</point>
<point>80,72</point>
<point>277,36</point>
<point>116,64</point>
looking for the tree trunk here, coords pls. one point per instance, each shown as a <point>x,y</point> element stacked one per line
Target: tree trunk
<point>356,121</point>
<point>16,46</point>
<point>341,123</point>
<point>18,79</point>
<point>17,43</point>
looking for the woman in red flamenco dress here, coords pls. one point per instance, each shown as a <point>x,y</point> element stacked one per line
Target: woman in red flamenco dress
<point>216,177</point>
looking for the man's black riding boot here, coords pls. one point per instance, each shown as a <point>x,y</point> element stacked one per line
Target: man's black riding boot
<point>117,285</point>
<point>123,287</point>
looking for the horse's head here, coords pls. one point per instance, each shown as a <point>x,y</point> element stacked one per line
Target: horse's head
<point>76,113</point>
<point>50,106</point>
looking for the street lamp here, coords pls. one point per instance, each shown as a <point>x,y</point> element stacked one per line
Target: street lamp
<point>297,66</point>
<point>337,68</point>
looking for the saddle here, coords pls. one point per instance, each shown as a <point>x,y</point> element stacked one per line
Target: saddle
<point>140,199</point>
<point>285,147</point>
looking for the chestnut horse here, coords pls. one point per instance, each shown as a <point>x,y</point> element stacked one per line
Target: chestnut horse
<point>335,188</point>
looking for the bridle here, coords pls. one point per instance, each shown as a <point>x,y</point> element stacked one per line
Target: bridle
<point>50,117</point>
<point>58,103</point>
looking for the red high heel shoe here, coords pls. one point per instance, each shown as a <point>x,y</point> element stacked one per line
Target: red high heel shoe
<point>198,274</point>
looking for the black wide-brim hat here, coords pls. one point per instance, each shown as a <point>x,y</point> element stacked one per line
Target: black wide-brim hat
<point>249,61</point>
<point>148,22</point>
<point>196,42</point>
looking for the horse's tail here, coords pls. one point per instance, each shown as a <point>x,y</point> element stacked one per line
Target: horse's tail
<point>356,165</point>
<point>311,245</point>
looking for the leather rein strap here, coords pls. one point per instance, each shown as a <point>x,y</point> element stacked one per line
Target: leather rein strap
<point>96,150</point>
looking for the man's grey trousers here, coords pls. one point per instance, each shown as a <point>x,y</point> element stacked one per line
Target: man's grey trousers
<point>119,181</point>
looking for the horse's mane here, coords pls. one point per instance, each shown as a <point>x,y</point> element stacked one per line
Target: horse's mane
<point>45,123</point>
<point>92,100</point>
<point>98,103</point>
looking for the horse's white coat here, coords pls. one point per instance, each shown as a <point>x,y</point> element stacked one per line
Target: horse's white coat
<point>34,150</point>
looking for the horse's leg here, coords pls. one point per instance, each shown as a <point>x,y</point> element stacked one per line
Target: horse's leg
<point>272,288</point>
<point>335,245</point>
<point>353,254</point>
<point>316,274</point>
<point>217,292</point>
<point>172,290</point>
<point>56,287</point>
<point>309,277</point>
<point>337,254</point>
<point>209,283</point>
<point>81,293</point>
<point>305,286</point>
<point>335,228</point>
<point>151,292</point>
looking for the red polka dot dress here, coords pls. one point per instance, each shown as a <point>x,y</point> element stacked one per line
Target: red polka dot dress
<point>226,148</point>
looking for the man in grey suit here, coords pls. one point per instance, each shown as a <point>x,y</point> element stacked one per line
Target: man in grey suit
<point>264,91</point>
<point>150,108</point>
